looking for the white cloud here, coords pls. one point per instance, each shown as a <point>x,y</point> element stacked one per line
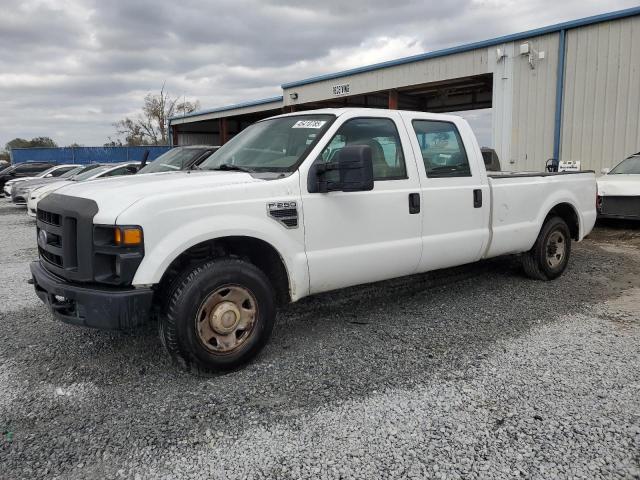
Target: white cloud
<point>70,68</point>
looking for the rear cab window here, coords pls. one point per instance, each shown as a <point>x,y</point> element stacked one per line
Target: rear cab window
<point>442,149</point>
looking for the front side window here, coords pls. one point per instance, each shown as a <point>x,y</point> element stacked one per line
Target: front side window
<point>381,135</point>
<point>273,145</point>
<point>442,149</point>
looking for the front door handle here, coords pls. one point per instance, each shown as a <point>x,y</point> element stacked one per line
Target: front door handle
<point>414,203</point>
<point>477,198</point>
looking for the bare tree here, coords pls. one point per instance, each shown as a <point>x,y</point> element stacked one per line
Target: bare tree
<point>150,126</point>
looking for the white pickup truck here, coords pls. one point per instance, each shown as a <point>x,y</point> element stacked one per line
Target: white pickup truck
<point>292,206</point>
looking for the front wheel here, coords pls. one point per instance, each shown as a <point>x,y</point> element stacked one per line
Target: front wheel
<point>550,254</point>
<point>220,314</point>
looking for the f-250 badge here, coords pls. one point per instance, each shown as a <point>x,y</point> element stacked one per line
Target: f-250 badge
<point>285,213</point>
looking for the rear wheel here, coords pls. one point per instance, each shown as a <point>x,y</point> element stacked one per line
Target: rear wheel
<point>218,316</point>
<point>550,254</point>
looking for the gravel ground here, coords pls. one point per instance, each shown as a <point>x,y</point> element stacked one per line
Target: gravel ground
<point>475,372</point>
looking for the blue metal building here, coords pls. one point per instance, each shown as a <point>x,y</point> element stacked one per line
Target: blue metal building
<point>569,91</point>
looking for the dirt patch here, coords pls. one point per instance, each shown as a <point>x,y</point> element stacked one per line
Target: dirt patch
<point>619,232</point>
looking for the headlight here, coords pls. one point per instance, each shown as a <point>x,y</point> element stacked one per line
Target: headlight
<point>40,195</point>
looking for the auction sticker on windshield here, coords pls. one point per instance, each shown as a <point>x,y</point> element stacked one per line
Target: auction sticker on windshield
<point>309,124</point>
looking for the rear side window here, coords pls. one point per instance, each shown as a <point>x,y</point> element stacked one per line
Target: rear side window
<point>442,149</point>
<point>381,135</point>
<point>27,168</point>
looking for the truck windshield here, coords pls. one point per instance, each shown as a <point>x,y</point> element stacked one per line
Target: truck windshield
<point>90,173</point>
<point>72,172</point>
<point>628,166</point>
<point>173,160</point>
<point>274,145</point>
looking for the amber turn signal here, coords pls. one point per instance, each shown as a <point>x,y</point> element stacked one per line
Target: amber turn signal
<point>128,236</point>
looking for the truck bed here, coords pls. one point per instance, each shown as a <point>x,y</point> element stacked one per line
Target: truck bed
<point>518,199</point>
<point>502,174</point>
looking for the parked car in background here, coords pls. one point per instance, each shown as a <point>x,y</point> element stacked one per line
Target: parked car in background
<point>53,172</point>
<point>90,172</point>
<point>22,170</point>
<point>179,158</point>
<point>619,190</point>
<point>491,160</point>
<point>20,190</point>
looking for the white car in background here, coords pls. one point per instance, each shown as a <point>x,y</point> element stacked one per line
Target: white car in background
<point>619,190</point>
<point>101,171</point>
<point>52,172</point>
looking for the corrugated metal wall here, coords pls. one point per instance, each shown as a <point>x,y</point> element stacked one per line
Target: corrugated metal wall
<point>187,138</point>
<point>84,155</point>
<point>423,71</point>
<point>533,108</point>
<point>601,113</point>
<point>502,99</point>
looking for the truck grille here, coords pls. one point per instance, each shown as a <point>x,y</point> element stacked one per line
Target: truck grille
<point>51,257</point>
<point>51,230</point>
<point>621,206</point>
<point>64,223</point>
<point>49,218</point>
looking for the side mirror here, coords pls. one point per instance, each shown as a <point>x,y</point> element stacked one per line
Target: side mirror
<point>351,172</point>
<point>604,171</point>
<point>48,175</point>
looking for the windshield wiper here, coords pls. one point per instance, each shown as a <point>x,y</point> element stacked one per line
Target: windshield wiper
<point>228,167</point>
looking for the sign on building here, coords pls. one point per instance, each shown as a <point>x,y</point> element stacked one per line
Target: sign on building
<point>341,89</point>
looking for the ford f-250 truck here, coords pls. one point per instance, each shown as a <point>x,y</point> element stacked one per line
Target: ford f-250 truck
<point>292,206</point>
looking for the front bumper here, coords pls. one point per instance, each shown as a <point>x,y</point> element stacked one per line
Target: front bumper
<point>620,207</point>
<point>105,308</point>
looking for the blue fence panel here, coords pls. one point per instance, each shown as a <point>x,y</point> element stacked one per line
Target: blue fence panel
<point>83,155</point>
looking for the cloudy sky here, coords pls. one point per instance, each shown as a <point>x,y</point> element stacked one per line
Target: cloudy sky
<point>70,68</point>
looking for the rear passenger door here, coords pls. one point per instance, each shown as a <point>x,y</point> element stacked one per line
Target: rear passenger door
<point>455,193</point>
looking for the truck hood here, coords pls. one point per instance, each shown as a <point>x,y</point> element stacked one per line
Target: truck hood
<point>114,195</point>
<point>619,185</point>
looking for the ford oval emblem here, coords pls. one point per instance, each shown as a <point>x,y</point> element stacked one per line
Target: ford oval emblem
<point>42,238</point>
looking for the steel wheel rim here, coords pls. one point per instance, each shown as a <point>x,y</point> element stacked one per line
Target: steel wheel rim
<point>556,248</point>
<point>226,319</point>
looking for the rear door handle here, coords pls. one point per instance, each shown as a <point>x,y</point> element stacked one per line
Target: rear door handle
<point>414,203</point>
<point>477,198</point>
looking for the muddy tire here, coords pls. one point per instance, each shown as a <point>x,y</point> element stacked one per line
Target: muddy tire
<point>550,254</point>
<point>218,316</point>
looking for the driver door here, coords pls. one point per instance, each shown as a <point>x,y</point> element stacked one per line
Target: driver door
<point>359,237</point>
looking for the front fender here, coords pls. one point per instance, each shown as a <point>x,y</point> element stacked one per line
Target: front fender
<point>163,244</point>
